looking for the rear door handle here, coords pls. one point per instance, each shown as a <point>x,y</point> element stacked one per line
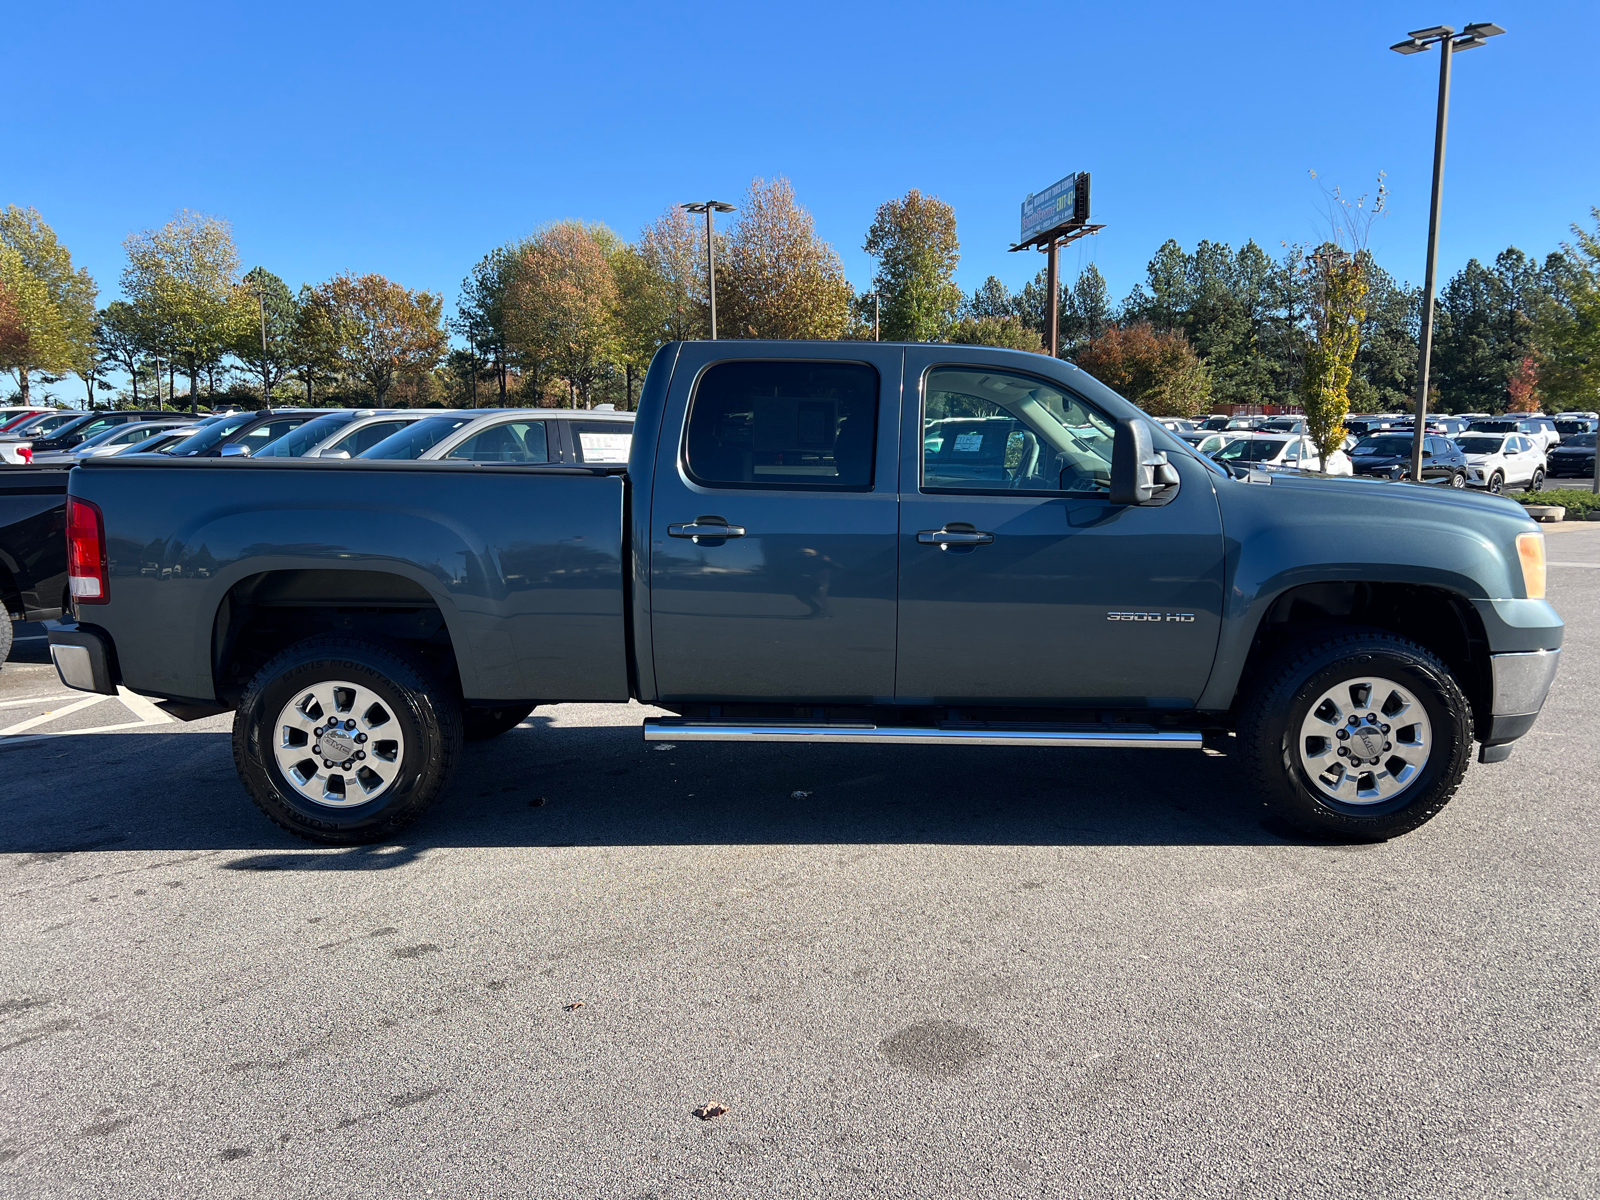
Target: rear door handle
<point>954,537</point>
<point>702,528</point>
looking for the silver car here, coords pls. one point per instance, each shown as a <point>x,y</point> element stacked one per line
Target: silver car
<point>365,432</point>
<point>116,440</point>
<point>515,435</point>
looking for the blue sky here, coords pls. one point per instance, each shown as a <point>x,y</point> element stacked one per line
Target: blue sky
<point>411,138</point>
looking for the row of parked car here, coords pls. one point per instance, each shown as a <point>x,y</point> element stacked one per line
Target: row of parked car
<point>1470,450</point>
<point>517,435</point>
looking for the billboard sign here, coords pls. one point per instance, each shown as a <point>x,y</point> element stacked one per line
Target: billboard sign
<point>1064,202</point>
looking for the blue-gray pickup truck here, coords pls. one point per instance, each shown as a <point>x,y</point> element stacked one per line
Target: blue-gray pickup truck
<point>859,542</point>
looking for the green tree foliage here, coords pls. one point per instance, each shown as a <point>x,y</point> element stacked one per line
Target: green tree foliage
<point>1010,332</point>
<point>1156,369</point>
<point>122,342</point>
<point>562,306</point>
<point>991,299</point>
<point>268,300</point>
<point>1569,323</point>
<point>316,349</point>
<point>1337,315</point>
<point>184,279</point>
<point>1384,377</point>
<point>378,329</point>
<point>780,279</point>
<point>1486,325</point>
<point>914,240</point>
<point>53,327</point>
<point>481,318</point>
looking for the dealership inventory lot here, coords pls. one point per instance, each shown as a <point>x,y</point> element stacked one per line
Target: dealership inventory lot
<point>975,972</point>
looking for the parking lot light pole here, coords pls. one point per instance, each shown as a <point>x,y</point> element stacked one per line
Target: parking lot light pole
<point>1418,40</point>
<point>708,207</point>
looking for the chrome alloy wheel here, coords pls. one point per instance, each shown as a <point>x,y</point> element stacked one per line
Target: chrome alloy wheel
<point>1365,740</point>
<point>338,744</point>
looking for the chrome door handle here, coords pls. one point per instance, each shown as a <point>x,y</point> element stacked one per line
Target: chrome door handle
<point>695,530</point>
<point>954,537</point>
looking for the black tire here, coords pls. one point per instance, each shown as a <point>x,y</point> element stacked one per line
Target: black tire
<point>1282,697</point>
<point>480,724</point>
<point>8,634</point>
<point>1497,483</point>
<point>1537,482</point>
<point>428,716</point>
<point>1458,479</point>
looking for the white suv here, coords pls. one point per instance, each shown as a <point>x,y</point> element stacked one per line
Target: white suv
<point>1496,461</point>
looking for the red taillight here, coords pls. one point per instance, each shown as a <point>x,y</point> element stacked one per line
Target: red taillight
<point>87,577</point>
<point>25,453</point>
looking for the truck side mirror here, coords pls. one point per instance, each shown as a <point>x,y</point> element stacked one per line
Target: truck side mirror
<point>1138,473</point>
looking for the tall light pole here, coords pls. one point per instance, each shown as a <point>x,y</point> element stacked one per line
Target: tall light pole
<point>708,207</point>
<point>1418,40</point>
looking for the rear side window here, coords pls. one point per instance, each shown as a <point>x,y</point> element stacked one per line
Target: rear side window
<point>601,441</point>
<point>271,431</point>
<point>790,426</point>
<point>508,442</point>
<point>367,437</point>
<point>417,439</point>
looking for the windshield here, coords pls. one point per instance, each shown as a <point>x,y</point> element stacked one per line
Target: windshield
<point>1384,447</point>
<point>1485,444</point>
<point>1568,428</point>
<point>1280,426</point>
<point>1251,450</point>
<point>298,441</point>
<point>1493,427</point>
<point>1579,439</point>
<point>211,435</point>
<point>417,440</point>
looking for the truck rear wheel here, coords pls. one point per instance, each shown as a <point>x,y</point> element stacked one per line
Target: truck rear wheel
<point>341,741</point>
<point>1364,734</point>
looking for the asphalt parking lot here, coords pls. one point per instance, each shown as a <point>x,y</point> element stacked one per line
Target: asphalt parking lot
<point>959,972</point>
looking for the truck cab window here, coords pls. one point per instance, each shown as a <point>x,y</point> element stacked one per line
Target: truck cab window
<point>987,431</point>
<point>784,426</point>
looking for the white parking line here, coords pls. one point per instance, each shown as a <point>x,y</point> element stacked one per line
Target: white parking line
<point>140,707</point>
<point>1558,563</point>
<point>35,700</point>
<point>52,715</point>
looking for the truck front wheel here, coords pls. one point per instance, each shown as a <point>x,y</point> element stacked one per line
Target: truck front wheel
<point>1362,734</point>
<point>341,741</point>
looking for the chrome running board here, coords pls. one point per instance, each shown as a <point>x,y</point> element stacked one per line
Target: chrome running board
<point>1117,737</point>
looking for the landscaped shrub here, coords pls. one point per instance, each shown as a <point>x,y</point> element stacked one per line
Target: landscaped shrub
<point>1579,502</point>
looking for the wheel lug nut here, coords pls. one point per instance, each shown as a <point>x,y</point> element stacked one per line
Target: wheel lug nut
<point>360,754</point>
<point>1344,735</point>
<point>1354,721</point>
<point>361,737</point>
<point>1372,718</point>
<point>349,724</point>
<point>327,763</point>
<point>1388,745</point>
<point>1344,752</point>
<point>1385,728</point>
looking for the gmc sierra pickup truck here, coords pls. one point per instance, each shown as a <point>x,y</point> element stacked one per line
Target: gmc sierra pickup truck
<point>906,545</point>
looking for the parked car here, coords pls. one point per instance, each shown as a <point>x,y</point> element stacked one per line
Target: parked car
<point>16,416</point>
<point>1565,416</point>
<point>1388,456</point>
<point>541,435</point>
<point>1207,442</point>
<point>16,445</point>
<point>1175,424</point>
<point>113,440</point>
<point>308,436</point>
<point>70,434</point>
<point>365,432</point>
<point>1574,457</point>
<point>1283,425</point>
<point>791,554</point>
<point>1270,450</point>
<point>240,434</point>
<point>1574,425</point>
<point>1540,429</point>
<point>1496,461</point>
<point>1363,426</point>
<point>1244,424</point>
<point>33,547</point>
<point>1215,422</point>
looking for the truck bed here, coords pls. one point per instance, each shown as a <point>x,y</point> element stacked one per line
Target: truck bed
<point>524,565</point>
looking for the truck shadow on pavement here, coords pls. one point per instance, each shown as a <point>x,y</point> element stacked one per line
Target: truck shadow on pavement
<point>548,785</point>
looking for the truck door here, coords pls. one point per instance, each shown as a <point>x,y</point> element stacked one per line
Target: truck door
<point>1020,583</point>
<point>773,526</point>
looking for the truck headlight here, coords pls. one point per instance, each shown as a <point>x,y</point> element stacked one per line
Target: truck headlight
<point>1530,553</point>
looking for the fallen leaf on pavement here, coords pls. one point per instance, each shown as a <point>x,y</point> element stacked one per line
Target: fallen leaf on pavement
<point>576,1004</point>
<point>714,1109</point>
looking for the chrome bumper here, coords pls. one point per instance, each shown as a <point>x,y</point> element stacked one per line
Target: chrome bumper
<point>1521,682</point>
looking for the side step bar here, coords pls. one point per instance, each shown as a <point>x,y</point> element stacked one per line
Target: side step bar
<point>1121,737</point>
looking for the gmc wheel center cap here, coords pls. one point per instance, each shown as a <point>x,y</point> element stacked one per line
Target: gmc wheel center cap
<point>1369,740</point>
<point>338,744</point>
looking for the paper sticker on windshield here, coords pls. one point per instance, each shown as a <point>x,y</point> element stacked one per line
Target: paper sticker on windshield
<point>605,447</point>
<point>969,443</point>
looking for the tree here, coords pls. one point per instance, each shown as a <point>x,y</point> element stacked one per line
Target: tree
<point>1085,310</point>
<point>563,300</point>
<point>315,350</point>
<point>1522,390</point>
<point>1157,370</point>
<point>380,328</point>
<point>184,279</point>
<point>914,240</point>
<point>780,280</point>
<point>644,312</point>
<point>481,316</point>
<point>1384,378</point>
<point>276,318</point>
<point>673,247</point>
<point>53,327</point>
<point>992,299</point>
<point>1569,323</point>
<point>1010,332</point>
<point>1337,315</point>
<point>122,342</point>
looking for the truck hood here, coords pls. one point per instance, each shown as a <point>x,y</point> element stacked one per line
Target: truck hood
<point>1330,491</point>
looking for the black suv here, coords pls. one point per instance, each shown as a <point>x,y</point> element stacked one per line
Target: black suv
<point>65,437</point>
<point>1388,456</point>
